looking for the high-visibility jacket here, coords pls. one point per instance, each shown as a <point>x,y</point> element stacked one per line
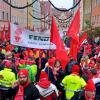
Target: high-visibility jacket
<point>71,84</point>
<point>31,74</point>
<point>34,69</point>
<point>7,77</point>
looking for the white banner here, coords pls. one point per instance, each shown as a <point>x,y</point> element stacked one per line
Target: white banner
<point>26,38</point>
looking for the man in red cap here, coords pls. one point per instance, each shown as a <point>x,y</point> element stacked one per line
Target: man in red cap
<point>73,83</point>
<point>24,90</point>
<point>47,90</point>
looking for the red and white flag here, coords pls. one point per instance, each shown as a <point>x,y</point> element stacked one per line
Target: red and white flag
<point>73,32</point>
<point>83,38</point>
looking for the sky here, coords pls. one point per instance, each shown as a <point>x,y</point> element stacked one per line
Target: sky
<point>63,3</point>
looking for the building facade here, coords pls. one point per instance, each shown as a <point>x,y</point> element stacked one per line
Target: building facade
<point>46,15</point>
<point>86,13</point>
<point>14,15</point>
<point>37,14</point>
<point>91,13</point>
<point>29,18</point>
<point>4,14</point>
<point>95,18</point>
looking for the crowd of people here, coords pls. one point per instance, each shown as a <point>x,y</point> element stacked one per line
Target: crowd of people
<point>34,74</point>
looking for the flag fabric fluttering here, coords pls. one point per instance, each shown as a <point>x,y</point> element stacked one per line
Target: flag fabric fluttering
<point>74,28</point>
<point>73,49</point>
<point>3,33</point>
<point>73,32</point>
<point>83,38</point>
<point>55,38</point>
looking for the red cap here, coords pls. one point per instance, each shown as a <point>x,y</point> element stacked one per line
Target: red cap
<point>22,61</point>
<point>16,55</point>
<point>51,61</point>
<point>75,68</point>
<point>43,75</point>
<point>44,82</point>
<point>23,72</point>
<point>8,64</point>
<point>25,57</point>
<point>31,62</point>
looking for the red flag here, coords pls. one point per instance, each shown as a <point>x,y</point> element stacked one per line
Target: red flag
<point>73,32</point>
<point>74,28</point>
<point>73,49</point>
<point>55,38</point>
<point>3,34</point>
<point>83,38</point>
<point>8,34</point>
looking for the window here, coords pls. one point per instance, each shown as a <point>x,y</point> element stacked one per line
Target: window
<point>3,15</point>
<point>7,16</point>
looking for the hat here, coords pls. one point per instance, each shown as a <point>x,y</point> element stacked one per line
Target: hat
<point>31,62</point>
<point>23,72</point>
<point>8,64</point>
<point>90,86</point>
<point>43,81</point>
<point>25,57</point>
<point>51,61</point>
<point>43,75</point>
<point>22,61</point>
<point>75,68</point>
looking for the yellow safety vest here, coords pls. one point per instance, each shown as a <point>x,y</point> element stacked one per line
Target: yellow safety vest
<point>7,77</point>
<point>72,83</point>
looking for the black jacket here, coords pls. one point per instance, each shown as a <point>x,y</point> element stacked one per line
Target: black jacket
<point>30,92</point>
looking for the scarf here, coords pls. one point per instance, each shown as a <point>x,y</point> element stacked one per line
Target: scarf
<point>20,93</point>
